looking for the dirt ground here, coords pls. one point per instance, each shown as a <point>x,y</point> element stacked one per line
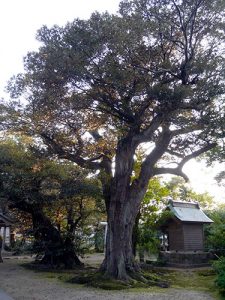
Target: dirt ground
<point>23,284</point>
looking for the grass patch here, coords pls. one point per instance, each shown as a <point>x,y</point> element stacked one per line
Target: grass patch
<point>199,280</point>
<point>190,280</point>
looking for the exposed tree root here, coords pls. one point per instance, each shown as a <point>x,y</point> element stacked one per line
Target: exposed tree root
<point>133,280</point>
<point>63,258</point>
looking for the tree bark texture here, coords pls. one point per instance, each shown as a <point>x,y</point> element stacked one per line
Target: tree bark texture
<point>122,210</point>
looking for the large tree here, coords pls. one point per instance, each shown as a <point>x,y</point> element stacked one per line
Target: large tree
<point>98,89</point>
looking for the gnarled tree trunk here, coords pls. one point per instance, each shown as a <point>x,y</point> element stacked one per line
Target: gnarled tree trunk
<point>56,250</point>
<point>122,210</point>
<point>119,255</point>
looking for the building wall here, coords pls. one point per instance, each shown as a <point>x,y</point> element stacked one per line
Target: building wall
<point>193,237</point>
<point>175,235</point>
<point>185,236</point>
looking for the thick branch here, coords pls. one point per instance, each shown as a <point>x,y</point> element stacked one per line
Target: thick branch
<point>152,158</point>
<point>178,170</point>
<point>174,171</point>
<point>147,134</point>
<point>58,149</point>
<point>185,130</point>
<point>196,154</point>
<point>174,153</point>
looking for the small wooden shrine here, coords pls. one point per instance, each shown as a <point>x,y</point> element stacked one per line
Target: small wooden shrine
<point>185,227</point>
<point>184,234</point>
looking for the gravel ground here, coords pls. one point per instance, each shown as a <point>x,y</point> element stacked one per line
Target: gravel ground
<point>22,284</point>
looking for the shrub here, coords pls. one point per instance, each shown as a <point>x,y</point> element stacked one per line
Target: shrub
<point>219,267</point>
<point>21,247</point>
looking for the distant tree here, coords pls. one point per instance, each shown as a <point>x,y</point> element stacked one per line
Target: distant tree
<point>179,190</point>
<point>97,89</point>
<point>151,213</point>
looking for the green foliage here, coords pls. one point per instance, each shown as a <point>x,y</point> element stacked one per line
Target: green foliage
<point>219,266</point>
<point>150,215</point>
<point>179,190</point>
<point>67,200</point>
<point>148,240</point>
<point>25,176</point>
<point>215,232</point>
<point>21,247</point>
<point>154,199</point>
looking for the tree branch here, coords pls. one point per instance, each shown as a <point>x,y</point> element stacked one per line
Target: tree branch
<point>174,153</point>
<point>178,170</point>
<point>152,158</point>
<point>147,134</point>
<point>197,153</point>
<point>174,171</point>
<point>75,157</point>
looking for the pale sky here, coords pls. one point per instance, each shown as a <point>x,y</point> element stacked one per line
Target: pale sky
<point>19,21</point>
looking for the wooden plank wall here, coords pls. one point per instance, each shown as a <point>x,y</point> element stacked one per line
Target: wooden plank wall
<point>176,239</point>
<point>193,237</point>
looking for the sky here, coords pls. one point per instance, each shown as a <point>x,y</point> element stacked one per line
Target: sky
<point>19,22</point>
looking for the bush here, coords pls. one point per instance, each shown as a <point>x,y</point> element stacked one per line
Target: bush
<point>148,240</point>
<point>219,267</point>
<point>21,247</point>
<point>214,233</point>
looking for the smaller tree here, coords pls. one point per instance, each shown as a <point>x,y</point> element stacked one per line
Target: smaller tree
<point>150,214</point>
<point>219,267</point>
<point>30,183</point>
<point>78,210</point>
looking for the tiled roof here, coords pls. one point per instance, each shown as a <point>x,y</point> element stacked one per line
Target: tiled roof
<point>188,212</point>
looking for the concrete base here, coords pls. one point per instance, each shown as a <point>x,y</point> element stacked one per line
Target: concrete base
<point>189,259</point>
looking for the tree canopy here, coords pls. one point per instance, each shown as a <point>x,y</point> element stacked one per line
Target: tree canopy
<point>156,69</point>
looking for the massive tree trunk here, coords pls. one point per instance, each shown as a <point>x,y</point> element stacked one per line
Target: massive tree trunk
<point>119,255</point>
<point>122,210</point>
